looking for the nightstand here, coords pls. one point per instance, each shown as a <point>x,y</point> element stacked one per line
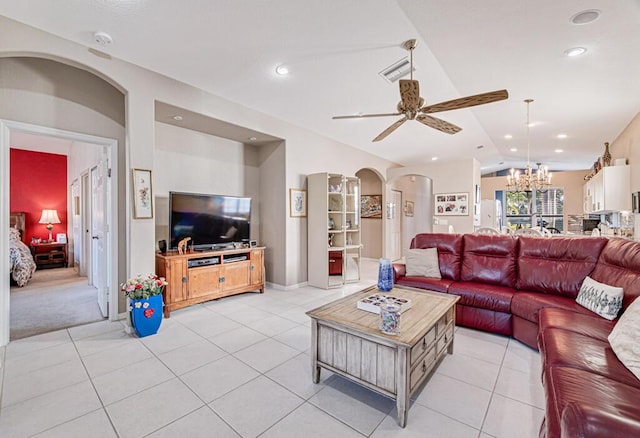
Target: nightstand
<point>49,254</point>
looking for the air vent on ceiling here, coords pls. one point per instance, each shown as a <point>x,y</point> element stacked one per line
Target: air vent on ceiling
<point>396,71</point>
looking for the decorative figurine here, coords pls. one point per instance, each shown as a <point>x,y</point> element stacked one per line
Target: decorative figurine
<point>182,245</point>
<point>606,157</point>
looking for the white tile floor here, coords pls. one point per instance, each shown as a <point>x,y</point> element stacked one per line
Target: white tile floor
<point>240,366</point>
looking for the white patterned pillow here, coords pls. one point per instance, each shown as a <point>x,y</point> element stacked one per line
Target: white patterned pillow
<point>422,263</point>
<point>624,338</point>
<point>600,298</point>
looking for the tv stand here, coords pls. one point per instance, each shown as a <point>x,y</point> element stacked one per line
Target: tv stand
<point>203,275</point>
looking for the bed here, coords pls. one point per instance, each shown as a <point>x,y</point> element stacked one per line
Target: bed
<point>21,264</point>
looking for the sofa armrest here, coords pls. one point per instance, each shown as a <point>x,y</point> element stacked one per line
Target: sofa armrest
<point>399,270</point>
<point>586,421</point>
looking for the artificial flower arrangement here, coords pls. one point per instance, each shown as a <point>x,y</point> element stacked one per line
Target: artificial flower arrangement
<point>140,288</point>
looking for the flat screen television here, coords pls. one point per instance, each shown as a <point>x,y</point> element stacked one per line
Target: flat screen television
<point>212,221</point>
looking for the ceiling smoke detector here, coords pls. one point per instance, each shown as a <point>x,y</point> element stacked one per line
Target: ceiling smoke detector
<point>102,38</point>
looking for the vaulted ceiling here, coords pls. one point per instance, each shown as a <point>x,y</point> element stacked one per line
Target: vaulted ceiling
<point>334,51</point>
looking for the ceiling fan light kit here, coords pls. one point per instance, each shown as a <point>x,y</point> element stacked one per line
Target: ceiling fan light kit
<point>412,106</point>
<point>529,179</point>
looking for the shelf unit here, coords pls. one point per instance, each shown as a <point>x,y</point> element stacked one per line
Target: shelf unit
<point>334,234</point>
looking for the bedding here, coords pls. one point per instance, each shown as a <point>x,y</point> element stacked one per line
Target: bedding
<point>21,264</point>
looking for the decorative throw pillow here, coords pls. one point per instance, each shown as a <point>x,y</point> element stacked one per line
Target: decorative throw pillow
<point>624,338</point>
<point>600,298</point>
<point>422,263</point>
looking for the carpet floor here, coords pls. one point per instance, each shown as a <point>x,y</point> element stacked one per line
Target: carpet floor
<point>54,299</point>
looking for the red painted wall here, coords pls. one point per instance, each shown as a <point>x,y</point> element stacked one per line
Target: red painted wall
<point>38,181</point>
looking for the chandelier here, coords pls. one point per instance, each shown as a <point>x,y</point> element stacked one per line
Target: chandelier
<point>529,179</point>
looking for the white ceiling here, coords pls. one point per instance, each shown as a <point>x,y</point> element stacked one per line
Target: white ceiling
<point>334,50</point>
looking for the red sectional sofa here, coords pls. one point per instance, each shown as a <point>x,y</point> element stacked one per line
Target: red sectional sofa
<point>525,287</point>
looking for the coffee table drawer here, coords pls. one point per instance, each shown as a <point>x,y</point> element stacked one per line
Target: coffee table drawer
<point>423,345</point>
<point>444,340</point>
<point>445,321</point>
<point>422,369</point>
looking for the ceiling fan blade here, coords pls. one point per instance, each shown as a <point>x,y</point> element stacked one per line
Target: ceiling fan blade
<point>390,129</point>
<point>439,124</point>
<point>465,102</point>
<point>410,94</point>
<point>361,116</point>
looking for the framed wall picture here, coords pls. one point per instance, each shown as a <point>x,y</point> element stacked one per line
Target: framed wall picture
<point>452,204</point>
<point>142,194</point>
<point>61,238</point>
<point>408,208</point>
<point>371,206</point>
<point>297,203</point>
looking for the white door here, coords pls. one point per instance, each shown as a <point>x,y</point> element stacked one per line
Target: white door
<point>99,234</point>
<point>395,251</point>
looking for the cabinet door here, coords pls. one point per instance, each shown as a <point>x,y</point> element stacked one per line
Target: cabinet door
<point>257,268</point>
<point>203,281</point>
<point>235,275</point>
<point>176,275</point>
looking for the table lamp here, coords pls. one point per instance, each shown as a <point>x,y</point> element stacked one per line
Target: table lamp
<point>49,217</point>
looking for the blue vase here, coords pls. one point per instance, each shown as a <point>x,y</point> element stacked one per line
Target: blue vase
<point>385,275</point>
<point>146,315</point>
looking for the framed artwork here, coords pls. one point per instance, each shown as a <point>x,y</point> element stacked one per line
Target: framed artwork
<point>297,203</point>
<point>371,206</point>
<point>408,208</point>
<point>61,238</point>
<point>142,194</point>
<point>452,204</point>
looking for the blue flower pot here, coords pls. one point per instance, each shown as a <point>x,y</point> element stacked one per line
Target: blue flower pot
<point>146,315</point>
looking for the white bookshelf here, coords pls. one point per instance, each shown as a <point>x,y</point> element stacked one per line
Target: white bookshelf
<point>334,230</point>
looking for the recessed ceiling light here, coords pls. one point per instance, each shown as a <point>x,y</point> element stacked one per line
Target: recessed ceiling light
<point>177,118</point>
<point>558,151</point>
<point>282,70</point>
<point>252,138</point>
<point>562,135</point>
<point>434,158</point>
<point>575,51</point>
<point>585,17</point>
<point>514,149</point>
<point>508,136</point>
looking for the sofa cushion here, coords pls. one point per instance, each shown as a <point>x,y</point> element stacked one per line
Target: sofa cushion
<point>600,298</point>
<point>566,348</point>
<point>422,263</point>
<point>588,325</point>
<point>619,265</point>
<point>558,265</point>
<point>489,259</point>
<point>484,296</point>
<point>434,284</point>
<point>564,385</point>
<point>449,251</point>
<point>587,421</point>
<point>527,304</point>
<point>624,338</point>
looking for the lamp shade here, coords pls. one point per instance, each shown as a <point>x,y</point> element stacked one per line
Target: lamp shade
<point>49,217</point>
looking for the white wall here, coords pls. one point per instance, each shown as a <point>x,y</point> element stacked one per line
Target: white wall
<point>371,228</point>
<point>194,162</point>
<point>450,177</point>
<point>416,189</point>
<point>306,152</point>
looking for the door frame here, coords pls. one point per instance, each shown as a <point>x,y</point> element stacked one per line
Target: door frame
<point>6,128</point>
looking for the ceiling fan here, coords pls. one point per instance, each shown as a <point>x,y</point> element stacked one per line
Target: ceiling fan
<point>412,106</point>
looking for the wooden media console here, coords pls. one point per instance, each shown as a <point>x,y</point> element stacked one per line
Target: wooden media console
<point>199,276</point>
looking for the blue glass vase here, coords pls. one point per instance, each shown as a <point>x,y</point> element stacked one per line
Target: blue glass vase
<point>146,315</point>
<point>385,275</point>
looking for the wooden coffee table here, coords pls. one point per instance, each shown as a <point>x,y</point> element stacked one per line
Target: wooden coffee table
<point>348,341</point>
